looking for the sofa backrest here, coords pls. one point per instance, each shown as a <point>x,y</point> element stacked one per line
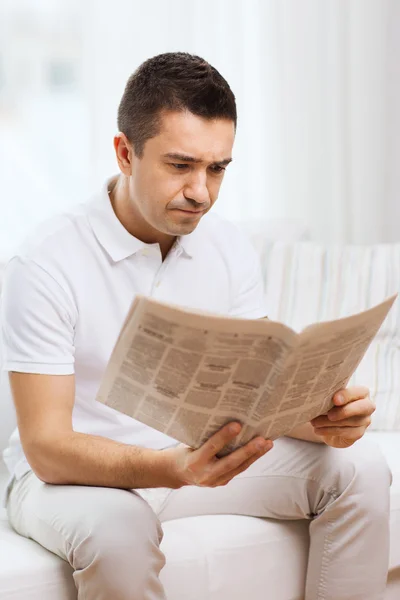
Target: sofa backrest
<point>308,282</point>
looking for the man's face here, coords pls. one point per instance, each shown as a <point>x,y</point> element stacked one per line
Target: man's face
<point>178,178</point>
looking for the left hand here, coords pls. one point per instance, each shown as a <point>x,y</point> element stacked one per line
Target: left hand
<point>348,420</point>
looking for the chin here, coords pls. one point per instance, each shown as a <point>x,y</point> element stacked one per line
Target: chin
<point>182,228</point>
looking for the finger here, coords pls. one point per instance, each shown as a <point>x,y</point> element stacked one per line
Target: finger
<point>356,408</point>
<point>235,459</point>
<point>245,465</point>
<point>352,422</point>
<point>350,394</point>
<point>218,441</point>
<point>348,433</point>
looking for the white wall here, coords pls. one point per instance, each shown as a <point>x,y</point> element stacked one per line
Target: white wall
<point>391,205</point>
<point>318,91</point>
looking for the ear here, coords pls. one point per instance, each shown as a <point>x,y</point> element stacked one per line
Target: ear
<point>124,153</point>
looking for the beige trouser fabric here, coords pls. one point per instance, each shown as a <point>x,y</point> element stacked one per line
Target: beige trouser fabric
<point>111,536</point>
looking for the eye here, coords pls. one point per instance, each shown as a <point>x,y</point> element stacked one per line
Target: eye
<point>217,169</point>
<point>179,166</point>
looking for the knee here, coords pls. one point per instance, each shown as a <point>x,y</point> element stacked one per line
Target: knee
<point>127,519</point>
<point>127,523</point>
<point>120,550</point>
<point>361,469</point>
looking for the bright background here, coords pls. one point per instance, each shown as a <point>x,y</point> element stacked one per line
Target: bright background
<point>317,84</point>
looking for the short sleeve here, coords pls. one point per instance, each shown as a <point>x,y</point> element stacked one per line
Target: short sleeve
<point>37,321</point>
<point>248,300</point>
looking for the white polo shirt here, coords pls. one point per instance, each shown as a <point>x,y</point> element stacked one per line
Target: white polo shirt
<point>68,290</point>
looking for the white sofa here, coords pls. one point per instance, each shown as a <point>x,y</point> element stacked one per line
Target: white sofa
<point>209,557</point>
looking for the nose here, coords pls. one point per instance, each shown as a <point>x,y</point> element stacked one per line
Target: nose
<point>196,189</point>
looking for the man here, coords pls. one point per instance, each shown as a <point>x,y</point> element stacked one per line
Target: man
<point>93,485</point>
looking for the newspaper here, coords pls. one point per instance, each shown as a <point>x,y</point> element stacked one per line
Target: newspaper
<point>187,373</point>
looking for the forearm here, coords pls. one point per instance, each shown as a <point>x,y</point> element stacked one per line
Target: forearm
<point>305,432</point>
<point>81,459</point>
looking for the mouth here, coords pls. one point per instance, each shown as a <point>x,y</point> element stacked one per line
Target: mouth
<point>189,212</point>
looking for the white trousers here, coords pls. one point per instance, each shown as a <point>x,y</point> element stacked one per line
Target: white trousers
<point>111,536</point>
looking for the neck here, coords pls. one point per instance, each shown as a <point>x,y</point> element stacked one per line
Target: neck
<point>130,217</point>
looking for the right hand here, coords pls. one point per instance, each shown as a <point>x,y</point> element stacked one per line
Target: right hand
<point>202,467</point>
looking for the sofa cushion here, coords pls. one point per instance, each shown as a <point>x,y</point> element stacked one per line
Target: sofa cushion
<point>208,557</point>
<point>308,282</point>
<point>28,572</point>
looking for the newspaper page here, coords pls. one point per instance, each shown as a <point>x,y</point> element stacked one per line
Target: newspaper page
<point>187,373</point>
<point>324,360</point>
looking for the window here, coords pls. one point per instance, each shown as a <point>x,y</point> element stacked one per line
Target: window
<point>44,133</point>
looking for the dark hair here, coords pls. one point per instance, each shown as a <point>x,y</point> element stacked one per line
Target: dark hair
<point>175,81</point>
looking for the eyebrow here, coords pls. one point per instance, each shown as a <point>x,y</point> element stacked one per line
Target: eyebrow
<point>192,159</point>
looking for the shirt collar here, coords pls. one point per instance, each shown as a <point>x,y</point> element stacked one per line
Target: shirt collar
<point>113,236</point>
